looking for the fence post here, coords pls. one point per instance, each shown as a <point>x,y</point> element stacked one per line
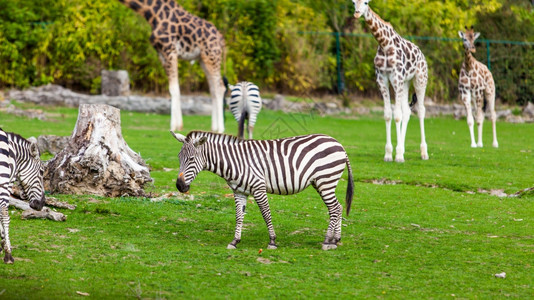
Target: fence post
<point>488,54</point>
<point>340,86</point>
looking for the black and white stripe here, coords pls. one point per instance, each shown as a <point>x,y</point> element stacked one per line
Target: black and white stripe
<point>245,104</point>
<point>19,160</point>
<point>257,167</point>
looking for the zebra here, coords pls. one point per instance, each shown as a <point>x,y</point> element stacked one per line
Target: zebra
<point>257,167</point>
<point>245,104</point>
<point>19,160</point>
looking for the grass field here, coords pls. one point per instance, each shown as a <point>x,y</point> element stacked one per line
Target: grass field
<point>436,233</point>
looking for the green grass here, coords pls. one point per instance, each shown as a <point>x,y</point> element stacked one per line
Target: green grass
<point>432,235</point>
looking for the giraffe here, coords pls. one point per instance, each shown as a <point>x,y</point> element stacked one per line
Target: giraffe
<point>476,83</point>
<point>397,61</point>
<point>177,34</point>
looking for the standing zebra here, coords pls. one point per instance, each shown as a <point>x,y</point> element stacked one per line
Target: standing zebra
<point>245,104</point>
<point>257,167</point>
<point>19,159</point>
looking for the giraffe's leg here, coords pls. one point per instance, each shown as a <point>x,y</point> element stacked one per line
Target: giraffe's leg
<point>420,89</point>
<point>406,112</point>
<point>260,196</point>
<point>170,62</point>
<point>490,96</point>
<point>240,204</point>
<point>479,118</point>
<point>383,84</point>
<point>399,88</point>
<point>466,99</point>
<point>333,234</point>
<point>6,243</point>
<point>217,88</point>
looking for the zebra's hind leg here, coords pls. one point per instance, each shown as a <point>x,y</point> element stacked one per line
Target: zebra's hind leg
<point>333,233</point>
<point>6,245</point>
<point>240,204</point>
<point>261,198</point>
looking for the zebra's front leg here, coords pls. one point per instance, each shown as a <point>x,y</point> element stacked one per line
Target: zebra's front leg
<point>6,244</point>
<point>240,205</point>
<point>261,198</point>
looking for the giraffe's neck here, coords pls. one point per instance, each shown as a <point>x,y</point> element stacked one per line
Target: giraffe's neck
<point>469,59</point>
<point>150,9</point>
<point>381,30</point>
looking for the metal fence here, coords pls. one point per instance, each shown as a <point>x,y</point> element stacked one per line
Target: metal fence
<point>505,56</point>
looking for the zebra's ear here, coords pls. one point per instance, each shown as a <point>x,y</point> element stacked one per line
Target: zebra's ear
<point>200,141</point>
<point>34,150</point>
<point>179,137</point>
<point>231,87</point>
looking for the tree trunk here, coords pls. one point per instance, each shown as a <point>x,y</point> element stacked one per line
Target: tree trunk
<point>97,160</point>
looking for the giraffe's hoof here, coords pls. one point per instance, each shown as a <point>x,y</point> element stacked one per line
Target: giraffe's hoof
<point>473,145</point>
<point>329,246</point>
<point>271,246</point>
<point>399,159</point>
<point>230,246</point>
<point>388,158</point>
<point>495,145</point>
<point>424,156</point>
<point>480,145</point>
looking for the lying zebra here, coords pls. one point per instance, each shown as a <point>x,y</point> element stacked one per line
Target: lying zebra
<point>245,104</point>
<point>257,167</point>
<point>19,159</point>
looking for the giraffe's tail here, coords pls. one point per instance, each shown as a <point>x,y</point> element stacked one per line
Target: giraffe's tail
<point>350,188</point>
<point>485,105</point>
<point>414,100</point>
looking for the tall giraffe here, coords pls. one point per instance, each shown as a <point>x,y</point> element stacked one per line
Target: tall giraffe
<point>397,61</point>
<point>476,83</point>
<point>177,34</point>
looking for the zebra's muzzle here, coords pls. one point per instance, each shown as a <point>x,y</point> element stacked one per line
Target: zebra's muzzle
<point>181,185</point>
<point>37,204</point>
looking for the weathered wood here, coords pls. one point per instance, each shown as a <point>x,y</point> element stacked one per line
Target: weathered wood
<point>29,213</point>
<point>97,160</point>
<point>51,201</point>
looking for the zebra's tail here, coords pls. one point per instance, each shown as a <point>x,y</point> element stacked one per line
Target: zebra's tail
<point>241,130</point>
<point>350,188</point>
<point>225,81</point>
<point>414,100</point>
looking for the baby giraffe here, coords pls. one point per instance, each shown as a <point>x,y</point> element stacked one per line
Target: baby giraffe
<point>476,82</point>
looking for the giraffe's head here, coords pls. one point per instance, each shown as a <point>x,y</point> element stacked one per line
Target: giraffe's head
<point>468,38</point>
<point>361,7</point>
<point>192,160</point>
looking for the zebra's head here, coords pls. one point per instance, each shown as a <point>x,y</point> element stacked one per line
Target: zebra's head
<point>192,160</point>
<point>30,175</point>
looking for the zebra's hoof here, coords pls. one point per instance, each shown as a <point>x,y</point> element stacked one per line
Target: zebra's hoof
<point>329,246</point>
<point>271,246</point>
<point>230,246</point>
<point>8,259</point>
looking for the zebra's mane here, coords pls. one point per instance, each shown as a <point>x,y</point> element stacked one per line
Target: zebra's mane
<point>16,136</point>
<point>215,137</point>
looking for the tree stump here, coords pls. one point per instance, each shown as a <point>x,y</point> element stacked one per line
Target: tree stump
<point>97,160</point>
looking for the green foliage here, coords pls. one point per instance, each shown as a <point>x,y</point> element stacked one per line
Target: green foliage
<point>269,42</point>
